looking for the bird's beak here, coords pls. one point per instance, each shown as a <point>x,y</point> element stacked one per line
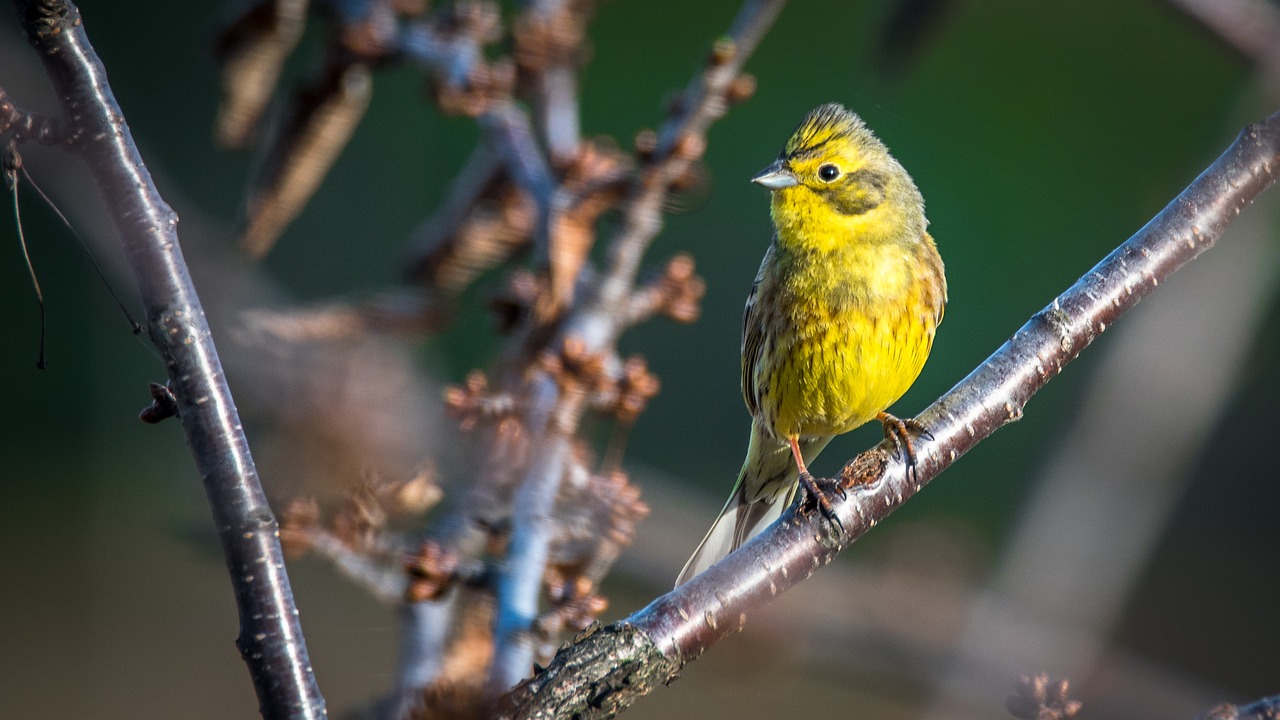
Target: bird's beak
<point>776,176</point>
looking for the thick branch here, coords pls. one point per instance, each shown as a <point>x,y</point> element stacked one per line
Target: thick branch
<point>270,635</point>
<point>654,643</point>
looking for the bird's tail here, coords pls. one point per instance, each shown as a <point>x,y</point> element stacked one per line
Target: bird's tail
<point>764,489</point>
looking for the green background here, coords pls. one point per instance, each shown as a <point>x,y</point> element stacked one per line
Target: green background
<point>1041,135</point>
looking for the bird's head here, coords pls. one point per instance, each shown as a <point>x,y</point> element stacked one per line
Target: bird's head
<point>834,174</point>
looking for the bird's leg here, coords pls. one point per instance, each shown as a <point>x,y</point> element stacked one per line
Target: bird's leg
<point>899,432</point>
<point>811,486</point>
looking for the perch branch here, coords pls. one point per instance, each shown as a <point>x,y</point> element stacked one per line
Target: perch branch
<point>607,669</point>
<point>270,640</point>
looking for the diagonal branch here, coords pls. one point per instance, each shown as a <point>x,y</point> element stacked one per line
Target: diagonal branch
<point>606,670</point>
<point>270,638</point>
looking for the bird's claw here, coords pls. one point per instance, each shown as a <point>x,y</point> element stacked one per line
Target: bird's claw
<point>820,498</point>
<point>900,433</point>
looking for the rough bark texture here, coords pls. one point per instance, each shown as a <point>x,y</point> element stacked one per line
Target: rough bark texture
<point>609,668</point>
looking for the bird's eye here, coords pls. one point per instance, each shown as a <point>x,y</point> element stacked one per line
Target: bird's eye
<point>828,172</point>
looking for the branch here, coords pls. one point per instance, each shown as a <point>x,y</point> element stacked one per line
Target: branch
<point>1248,27</point>
<point>1264,709</point>
<point>270,640</point>
<point>605,671</point>
<point>592,328</point>
<point>677,146</point>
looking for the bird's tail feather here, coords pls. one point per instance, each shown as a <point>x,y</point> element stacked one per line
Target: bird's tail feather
<point>765,487</point>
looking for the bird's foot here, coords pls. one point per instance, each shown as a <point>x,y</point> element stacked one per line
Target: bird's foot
<point>900,433</point>
<point>821,497</point>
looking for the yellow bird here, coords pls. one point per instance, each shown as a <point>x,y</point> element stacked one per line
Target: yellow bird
<point>840,319</point>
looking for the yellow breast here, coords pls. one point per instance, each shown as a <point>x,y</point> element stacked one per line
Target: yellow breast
<point>846,334</point>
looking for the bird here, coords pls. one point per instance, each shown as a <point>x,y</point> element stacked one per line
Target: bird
<point>839,321</point>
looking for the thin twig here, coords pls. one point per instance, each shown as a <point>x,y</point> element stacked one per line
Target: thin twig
<point>511,134</point>
<point>679,145</point>
<point>435,247</point>
<point>604,672</point>
<point>270,640</point>
<point>1264,709</point>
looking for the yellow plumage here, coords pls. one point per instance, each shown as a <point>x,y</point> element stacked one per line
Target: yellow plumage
<point>841,316</point>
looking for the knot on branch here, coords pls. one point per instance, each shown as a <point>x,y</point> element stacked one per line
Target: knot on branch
<point>865,469</point>
<point>619,662</point>
<point>1039,698</point>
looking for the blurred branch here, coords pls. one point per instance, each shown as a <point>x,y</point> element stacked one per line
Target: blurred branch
<point>511,134</point>
<point>270,640</point>
<point>606,670</point>
<point>1249,27</point>
<point>592,328</point>
<point>323,119</point>
<point>549,37</point>
<point>252,50</point>
<point>439,256</point>
<point>1264,709</point>
<point>23,125</point>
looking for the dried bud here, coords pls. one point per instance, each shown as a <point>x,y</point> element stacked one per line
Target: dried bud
<point>635,388</point>
<point>722,51</point>
<point>646,144</point>
<point>678,294</point>
<point>1038,698</point>
<point>689,146</point>
<point>472,404</point>
<point>298,524</point>
<point>741,89</point>
<point>416,495</point>
<point>163,404</point>
<point>431,571</point>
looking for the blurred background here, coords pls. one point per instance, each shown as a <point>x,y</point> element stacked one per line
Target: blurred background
<point>1120,535</point>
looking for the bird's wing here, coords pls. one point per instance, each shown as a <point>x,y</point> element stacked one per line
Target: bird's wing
<point>753,340</point>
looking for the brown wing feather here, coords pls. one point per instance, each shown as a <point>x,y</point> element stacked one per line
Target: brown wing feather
<point>753,341</point>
